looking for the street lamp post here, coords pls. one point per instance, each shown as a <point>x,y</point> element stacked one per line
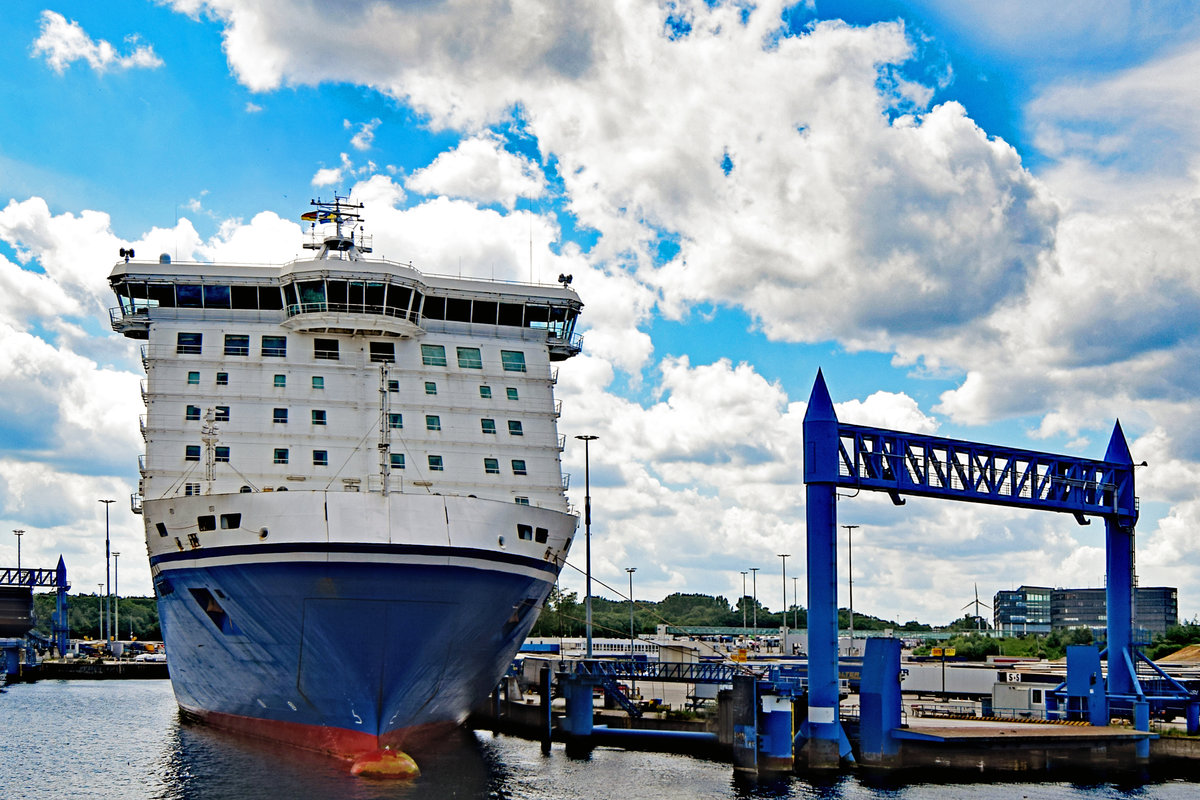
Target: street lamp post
<point>850,578</point>
<point>754,583</point>
<point>107,583</point>
<point>116,596</point>
<point>19,534</point>
<point>587,439</point>
<point>795,604</point>
<point>783,632</point>
<point>631,570</point>
<point>100,594</point>
<point>743,603</point>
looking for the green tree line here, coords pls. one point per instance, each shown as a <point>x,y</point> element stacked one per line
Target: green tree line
<point>138,616</point>
<point>564,615</point>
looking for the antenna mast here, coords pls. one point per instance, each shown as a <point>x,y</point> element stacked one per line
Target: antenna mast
<point>385,430</point>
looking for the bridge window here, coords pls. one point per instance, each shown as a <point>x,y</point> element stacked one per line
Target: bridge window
<point>237,344</point>
<point>325,349</point>
<point>458,310</point>
<point>433,355</point>
<point>512,360</point>
<point>188,344</point>
<point>274,346</point>
<point>216,296</point>
<point>469,358</point>
<point>483,312</point>
<point>189,295</point>
<point>383,352</point>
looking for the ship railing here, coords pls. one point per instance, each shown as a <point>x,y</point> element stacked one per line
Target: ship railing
<point>350,308</point>
<point>145,395</point>
<point>562,442</point>
<point>557,408</point>
<point>142,464</point>
<point>554,376</point>
<point>145,350</point>
<point>566,481</point>
<point>135,503</point>
<point>142,425</point>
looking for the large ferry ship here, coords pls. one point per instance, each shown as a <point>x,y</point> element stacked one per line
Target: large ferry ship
<point>352,486</point>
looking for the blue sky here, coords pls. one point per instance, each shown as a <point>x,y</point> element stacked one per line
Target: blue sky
<point>978,219</point>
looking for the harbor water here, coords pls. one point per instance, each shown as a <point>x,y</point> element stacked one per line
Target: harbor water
<point>124,739</point>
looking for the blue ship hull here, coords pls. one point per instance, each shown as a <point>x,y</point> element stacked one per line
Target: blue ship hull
<point>343,648</point>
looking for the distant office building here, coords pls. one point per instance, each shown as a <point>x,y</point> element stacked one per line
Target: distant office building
<point>1039,609</point>
<point>1023,610</point>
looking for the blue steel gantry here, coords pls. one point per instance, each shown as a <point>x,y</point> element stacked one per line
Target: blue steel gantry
<point>50,578</point>
<point>898,463</point>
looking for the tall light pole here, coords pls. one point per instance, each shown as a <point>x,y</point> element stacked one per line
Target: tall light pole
<point>116,595</point>
<point>754,580</point>
<point>743,604</point>
<point>19,534</point>
<point>783,633</point>
<point>587,439</point>
<point>850,578</point>
<point>632,680</point>
<point>795,604</point>
<point>107,549</point>
<point>631,570</point>
<point>100,594</point>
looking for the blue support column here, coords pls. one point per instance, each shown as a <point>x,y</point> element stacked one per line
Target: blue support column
<point>820,476</point>
<point>880,702</point>
<point>775,743</point>
<point>1119,548</point>
<point>580,711</point>
<point>1086,696</point>
<point>60,617</point>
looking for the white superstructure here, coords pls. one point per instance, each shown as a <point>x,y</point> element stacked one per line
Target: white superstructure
<point>339,373</point>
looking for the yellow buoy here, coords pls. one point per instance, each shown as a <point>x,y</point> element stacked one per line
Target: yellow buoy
<point>385,764</point>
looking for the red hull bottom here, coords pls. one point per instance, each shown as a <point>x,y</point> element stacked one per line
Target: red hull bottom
<point>345,745</point>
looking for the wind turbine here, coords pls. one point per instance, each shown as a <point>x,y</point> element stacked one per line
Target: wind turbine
<point>977,603</point>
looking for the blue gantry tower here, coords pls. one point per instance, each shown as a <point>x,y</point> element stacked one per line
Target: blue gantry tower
<point>898,463</point>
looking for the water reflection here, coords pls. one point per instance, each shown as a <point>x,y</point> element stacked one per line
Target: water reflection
<point>199,762</point>
<point>125,739</point>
